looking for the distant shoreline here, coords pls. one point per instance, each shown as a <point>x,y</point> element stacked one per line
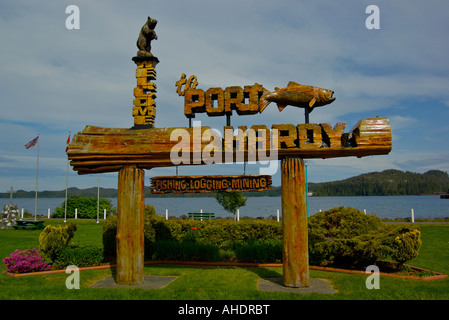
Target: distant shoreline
<point>386,183</point>
<point>112,193</point>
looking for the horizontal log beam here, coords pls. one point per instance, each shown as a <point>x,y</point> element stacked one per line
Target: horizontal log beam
<point>98,150</point>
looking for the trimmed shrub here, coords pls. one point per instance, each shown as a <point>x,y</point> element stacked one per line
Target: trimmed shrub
<point>343,237</point>
<point>110,232</point>
<point>183,251</point>
<point>189,249</point>
<point>260,251</point>
<point>222,233</point>
<point>53,238</point>
<point>87,256</point>
<point>406,244</point>
<point>347,237</point>
<point>86,207</point>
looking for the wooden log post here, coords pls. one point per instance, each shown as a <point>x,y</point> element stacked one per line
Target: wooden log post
<point>294,219</point>
<point>130,239</point>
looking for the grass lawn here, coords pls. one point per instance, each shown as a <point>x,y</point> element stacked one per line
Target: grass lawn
<point>220,283</point>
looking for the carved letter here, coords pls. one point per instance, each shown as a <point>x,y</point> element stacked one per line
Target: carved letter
<point>333,135</point>
<point>233,99</point>
<point>309,135</point>
<point>179,85</point>
<point>287,136</point>
<point>253,93</point>
<point>193,102</point>
<point>215,94</point>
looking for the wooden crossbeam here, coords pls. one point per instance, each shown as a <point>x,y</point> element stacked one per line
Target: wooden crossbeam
<point>98,150</point>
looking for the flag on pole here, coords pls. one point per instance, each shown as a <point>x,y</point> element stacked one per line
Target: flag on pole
<point>67,143</point>
<point>32,143</point>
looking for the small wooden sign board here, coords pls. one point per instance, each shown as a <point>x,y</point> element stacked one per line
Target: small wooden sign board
<point>218,183</point>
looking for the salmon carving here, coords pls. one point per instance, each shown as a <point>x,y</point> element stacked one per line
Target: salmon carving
<point>298,95</point>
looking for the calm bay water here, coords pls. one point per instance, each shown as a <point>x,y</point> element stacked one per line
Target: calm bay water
<point>425,207</point>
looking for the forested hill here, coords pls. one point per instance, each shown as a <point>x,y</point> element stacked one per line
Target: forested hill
<point>388,182</point>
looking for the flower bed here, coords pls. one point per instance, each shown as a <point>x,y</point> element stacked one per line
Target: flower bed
<point>436,275</point>
<point>27,260</point>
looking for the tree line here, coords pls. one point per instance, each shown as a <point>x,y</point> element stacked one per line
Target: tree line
<point>386,183</point>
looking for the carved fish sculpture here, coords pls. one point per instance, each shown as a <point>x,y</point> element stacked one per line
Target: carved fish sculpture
<point>297,95</point>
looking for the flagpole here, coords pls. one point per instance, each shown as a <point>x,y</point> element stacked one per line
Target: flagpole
<point>37,174</point>
<point>98,197</point>
<point>66,183</point>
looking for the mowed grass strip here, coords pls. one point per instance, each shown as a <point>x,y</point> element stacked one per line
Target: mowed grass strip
<point>219,283</point>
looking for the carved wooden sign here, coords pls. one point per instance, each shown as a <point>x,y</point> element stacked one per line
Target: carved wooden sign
<point>250,99</point>
<point>97,150</point>
<point>130,151</point>
<point>219,183</point>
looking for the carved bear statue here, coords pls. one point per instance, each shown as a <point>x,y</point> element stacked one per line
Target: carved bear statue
<point>147,34</point>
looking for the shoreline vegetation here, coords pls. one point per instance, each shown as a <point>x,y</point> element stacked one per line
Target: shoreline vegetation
<point>385,183</point>
<point>225,242</point>
<point>444,220</point>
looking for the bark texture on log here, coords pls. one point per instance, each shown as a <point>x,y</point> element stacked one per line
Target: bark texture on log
<point>130,235</point>
<point>294,219</point>
<point>97,150</point>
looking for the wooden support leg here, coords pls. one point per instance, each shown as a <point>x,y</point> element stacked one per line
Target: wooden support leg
<point>130,240</point>
<point>294,219</point>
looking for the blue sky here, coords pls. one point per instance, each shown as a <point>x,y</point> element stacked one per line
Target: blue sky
<point>54,80</point>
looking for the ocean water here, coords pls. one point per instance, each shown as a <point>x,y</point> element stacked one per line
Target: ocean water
<point>425,207</point>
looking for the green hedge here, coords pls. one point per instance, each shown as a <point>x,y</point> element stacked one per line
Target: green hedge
<point>347,237</point>
<point>343,237</point>
<point>110,231</point>
<point>222,233</point>
<point>259,251</point>
<point>86,256</point>
<point>86,207</point>
<point>183,251</point>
